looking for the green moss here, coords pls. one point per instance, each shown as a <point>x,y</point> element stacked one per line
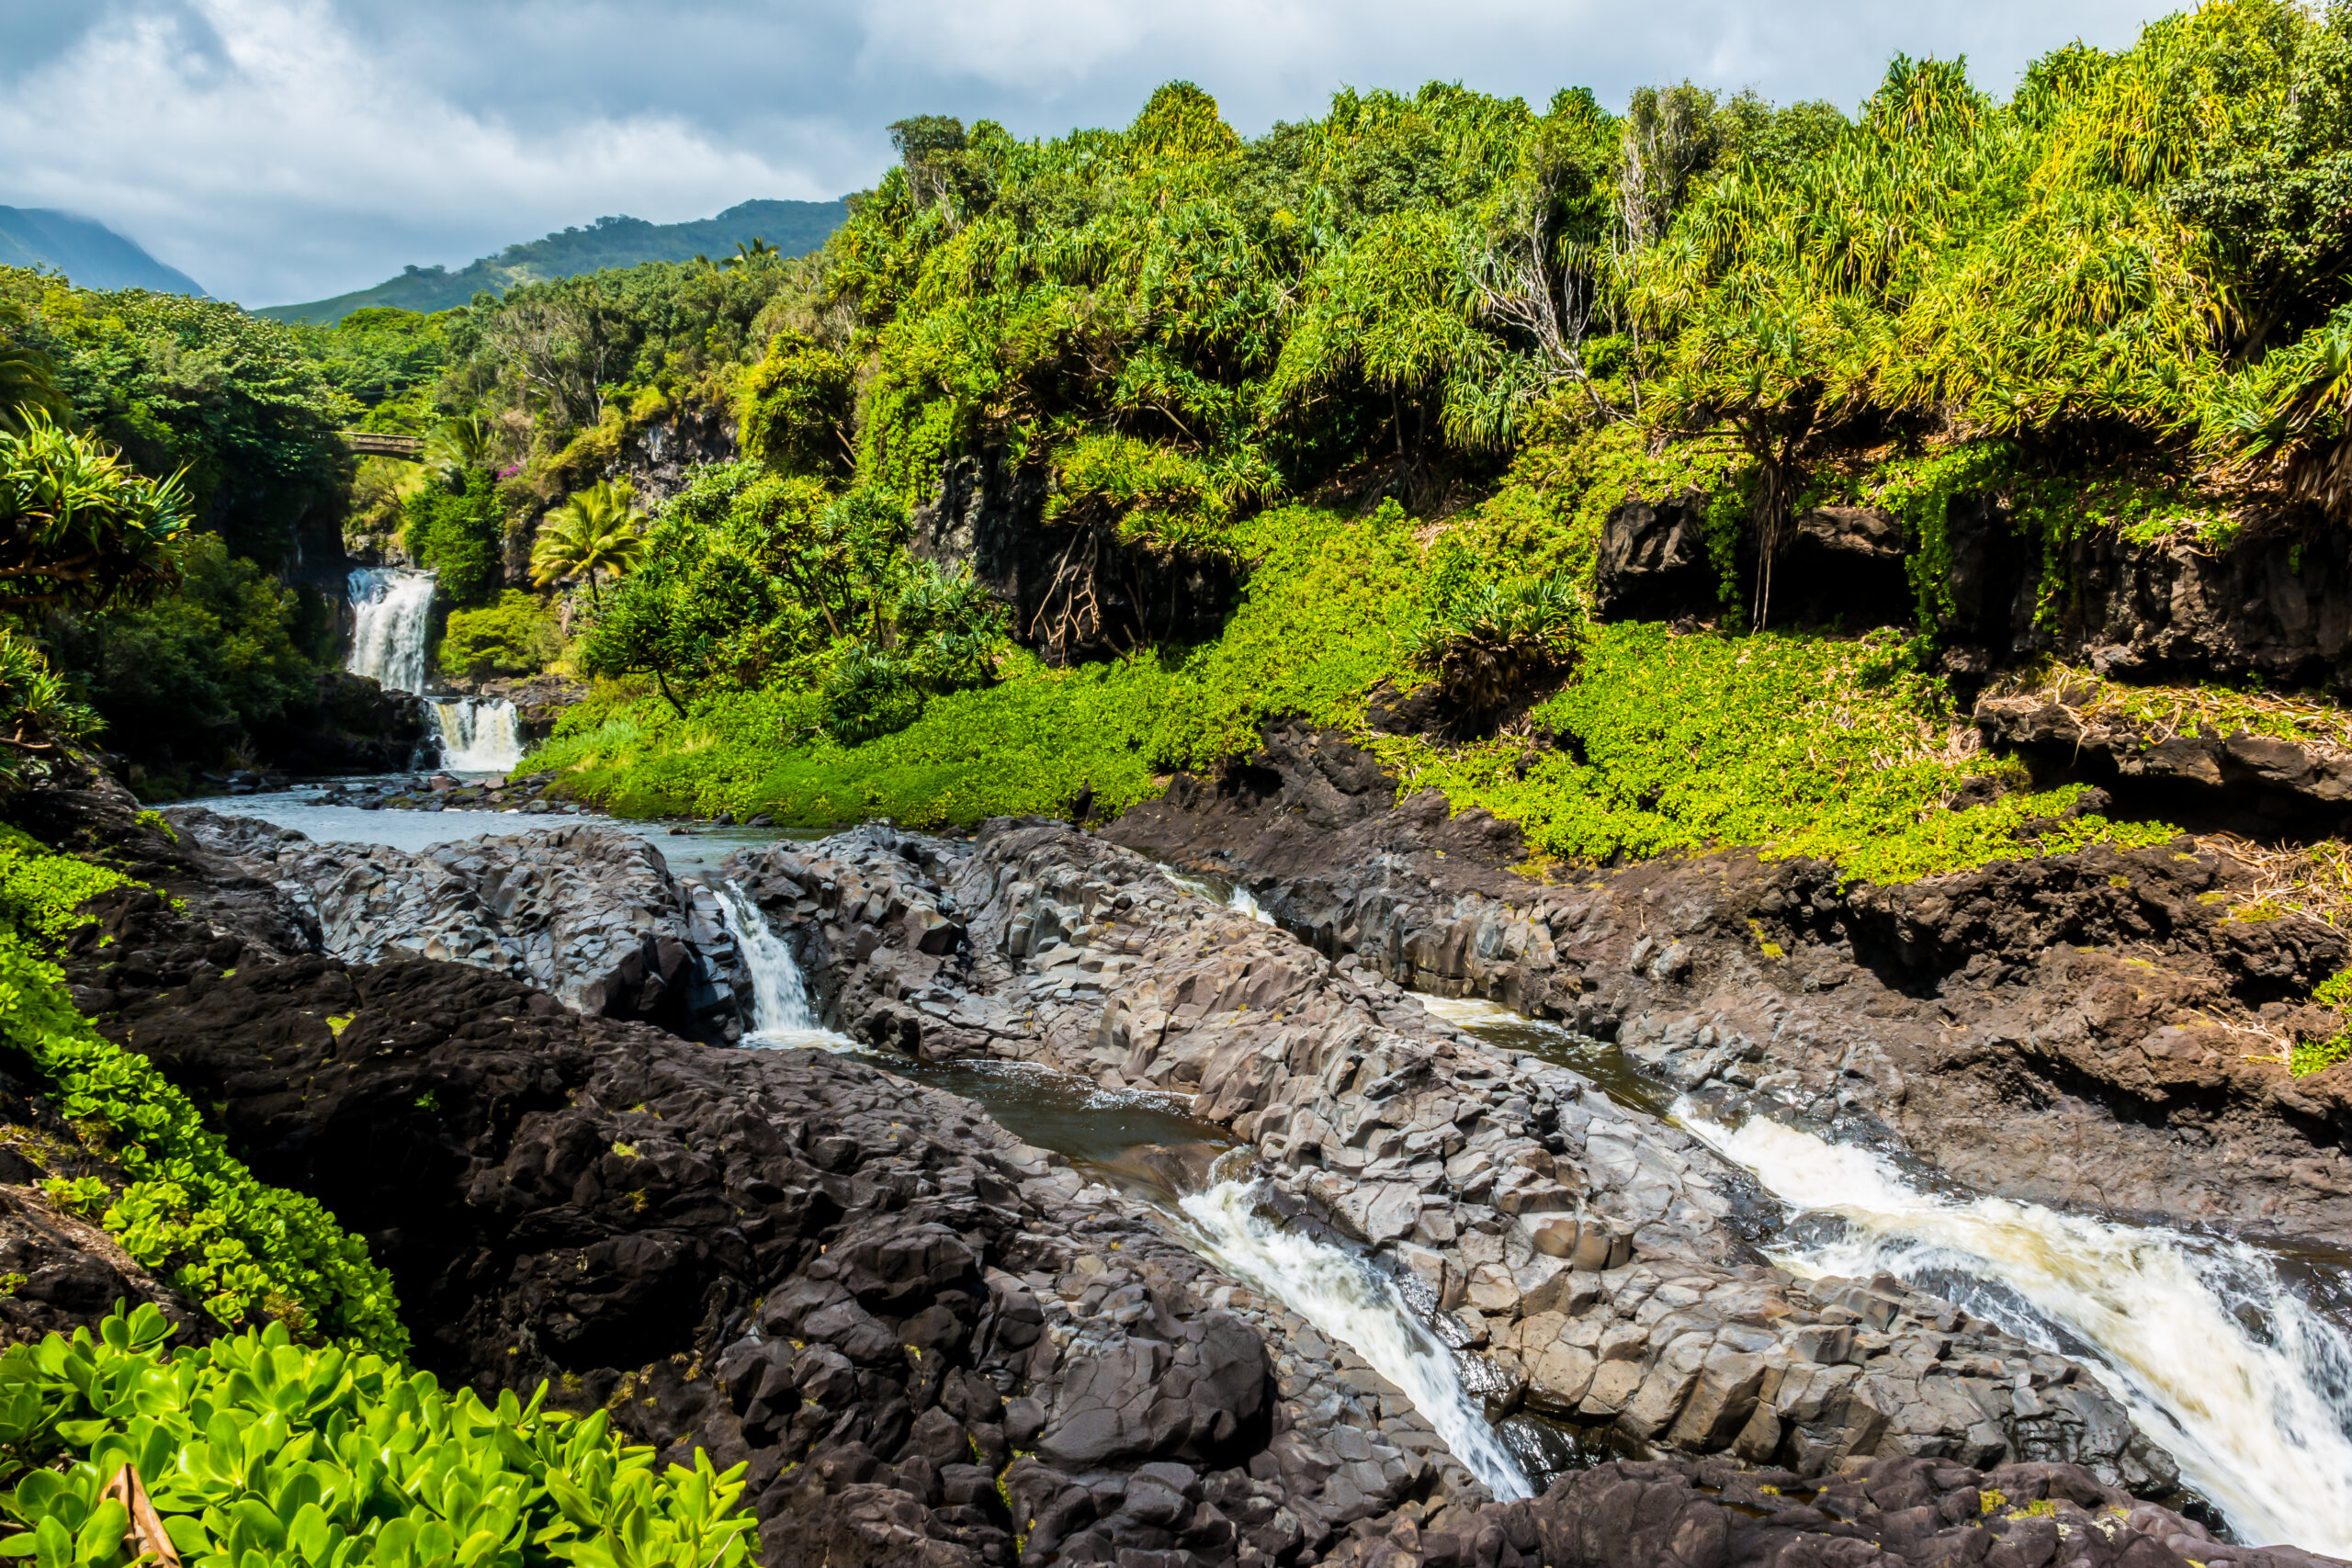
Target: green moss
<point>1835,749</point>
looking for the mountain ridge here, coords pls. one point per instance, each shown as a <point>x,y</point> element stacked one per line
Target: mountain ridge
<point>86,251</point>
<point>795,228</point>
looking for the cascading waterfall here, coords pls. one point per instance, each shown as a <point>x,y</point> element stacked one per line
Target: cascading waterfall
<point>391,613</point>
<point>1348,1302</point>
<point>391,618</point>
<point>2218,1359</point>
<point>479,735</point>
<point>782,1014</point>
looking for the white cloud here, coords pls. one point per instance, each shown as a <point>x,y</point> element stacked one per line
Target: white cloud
<point>288,149</point>
<point>288,132</point>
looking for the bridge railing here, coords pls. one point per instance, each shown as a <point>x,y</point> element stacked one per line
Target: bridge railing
<point>370,444</point>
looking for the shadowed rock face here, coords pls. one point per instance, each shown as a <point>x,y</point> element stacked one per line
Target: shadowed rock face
<point>1593,1252</point>
<point>2078,1030</point>
<point>589,913</point>
<point>927,1340</point>
<point>1680,1514</point>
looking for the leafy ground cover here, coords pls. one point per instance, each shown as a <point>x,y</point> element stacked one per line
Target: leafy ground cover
<point>253,1450</point>
<point>247,1252</point>
<point>1655,743</point>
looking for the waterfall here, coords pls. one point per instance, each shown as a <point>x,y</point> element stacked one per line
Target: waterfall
<point>1345,1300</point>
<point>479,735</point>
<point>391,613</point>
<point>2218,1359</point>
<point>781,1012</point>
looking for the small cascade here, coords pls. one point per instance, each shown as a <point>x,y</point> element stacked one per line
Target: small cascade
<point>781,1012</point>
<point>1237,898</point>
<point>479,735</point>
<point>2218,1359</point>
<point>1345,1300</point>
<point>392,612</point>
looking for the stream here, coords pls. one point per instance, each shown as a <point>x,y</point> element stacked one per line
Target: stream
<point>2219,1352</point>
<point>1334,1289</point>
<point>2234,1355</point>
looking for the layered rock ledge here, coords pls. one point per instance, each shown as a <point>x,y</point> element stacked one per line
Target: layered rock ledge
<point>2092,1029</point>
<point>1592,1255</point>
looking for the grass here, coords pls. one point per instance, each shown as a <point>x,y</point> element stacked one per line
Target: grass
<point>1656,743</point>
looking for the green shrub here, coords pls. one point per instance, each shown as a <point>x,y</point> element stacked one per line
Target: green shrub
<point>457,535</point>
<point>254,1451</point>
<point>1486,641</point>
<point>244,1251</point>
<point>189,676</point>
<point>1797,745</point>
<point>516,635</point>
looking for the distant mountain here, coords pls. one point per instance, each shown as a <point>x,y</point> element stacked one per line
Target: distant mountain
<point>85,250</point>
<point>796,228</point>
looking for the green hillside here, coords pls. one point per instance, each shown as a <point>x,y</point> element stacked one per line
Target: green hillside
<point>794,227</point>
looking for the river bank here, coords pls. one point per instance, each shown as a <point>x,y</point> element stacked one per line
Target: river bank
<point>1468,1241</point>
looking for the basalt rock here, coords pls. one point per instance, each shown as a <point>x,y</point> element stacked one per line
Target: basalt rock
<point>1595,1252</point>
<point>1675,1514</point>
<point>589,913</point>
<point>2260,786</point>
<point>930,1342</point>
<point>2093,1029</point>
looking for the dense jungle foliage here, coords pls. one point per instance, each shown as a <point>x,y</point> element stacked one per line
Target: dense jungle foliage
<point>1386,372</point>
<point>2107,298</point>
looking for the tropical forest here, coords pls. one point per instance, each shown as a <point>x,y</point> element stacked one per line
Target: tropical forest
<point>1474,833</point>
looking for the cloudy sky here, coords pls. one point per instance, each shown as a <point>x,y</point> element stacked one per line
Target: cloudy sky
<point>284,150</point>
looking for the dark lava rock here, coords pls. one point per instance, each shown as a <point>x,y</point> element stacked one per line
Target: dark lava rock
<point>928,1340</point>
<point>1674,1514</point>
<point>2086,1029</point>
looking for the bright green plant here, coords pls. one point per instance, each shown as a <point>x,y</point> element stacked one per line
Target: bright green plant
<point>78,523</point>
<point>253,1450</point>
<point>245,1251</point>
<point>593,535</point>
<point>514,636</point>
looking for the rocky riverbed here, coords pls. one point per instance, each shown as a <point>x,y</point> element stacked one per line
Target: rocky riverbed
<point>934,1343</point>
<point>2096,1030</point>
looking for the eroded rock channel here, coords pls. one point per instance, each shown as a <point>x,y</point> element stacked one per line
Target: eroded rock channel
<point>936,1340</point>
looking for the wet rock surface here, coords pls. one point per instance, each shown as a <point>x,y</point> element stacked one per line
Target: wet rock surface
<point>931,1343</point>
<point>1594,1254</point>
<point>1676,1513</point>
<point>589,913</point>
<point>2086,1029</point>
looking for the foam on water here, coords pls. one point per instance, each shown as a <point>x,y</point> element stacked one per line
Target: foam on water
<point>2218,1359</point>
<point>1344,1299</point>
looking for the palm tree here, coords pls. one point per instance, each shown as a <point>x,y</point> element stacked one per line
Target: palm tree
<point>591,532</point>
<point>758,250</point>
<point>457,446</point>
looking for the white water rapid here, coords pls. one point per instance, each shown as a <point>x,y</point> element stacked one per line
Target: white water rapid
<point>1346,1300</point>
<point>782,1014</point>
<point>391,613</point>
<point>1235,897</point>
<point>479,735</point>
<point>2248,1387</point>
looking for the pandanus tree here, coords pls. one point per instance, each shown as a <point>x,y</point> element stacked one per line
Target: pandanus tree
<point>591,534</point>
<point>78,526</point>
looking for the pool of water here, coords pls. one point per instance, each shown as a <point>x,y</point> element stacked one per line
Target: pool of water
<point>700,848</point>
<point>1499,1028</point>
